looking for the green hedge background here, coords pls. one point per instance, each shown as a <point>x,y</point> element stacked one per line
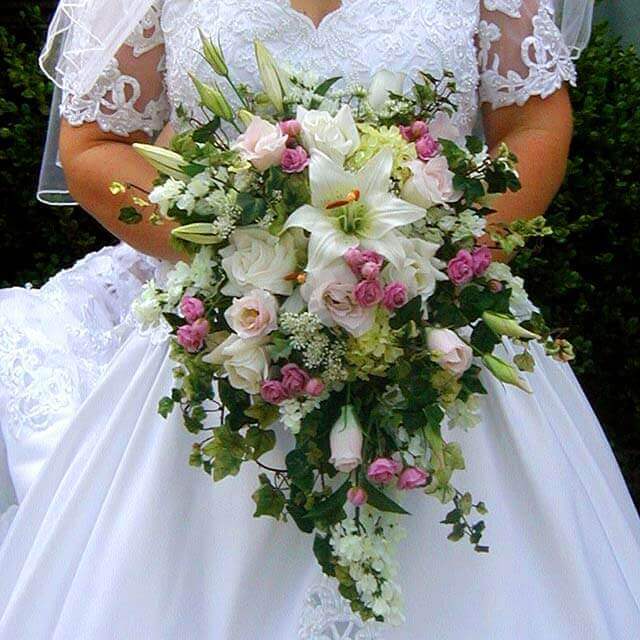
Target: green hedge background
<point>583,276</point>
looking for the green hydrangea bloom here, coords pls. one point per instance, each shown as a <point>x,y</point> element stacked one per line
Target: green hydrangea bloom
<point>447,385</point>
<point>373,139</point>
<point>374,352</point>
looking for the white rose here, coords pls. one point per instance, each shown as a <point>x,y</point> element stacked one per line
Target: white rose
<point>382,83</point>
<point>329,295</point>
<point>430,184</point>
<point>346,441</point>
<point>336,136</point>
<point>256,259</point>
<point>420,270</point>
<point>245,361</point>
<point>519,304</point>
<point>253,315</point>
<point>262,144</point>
<point>449,351</point>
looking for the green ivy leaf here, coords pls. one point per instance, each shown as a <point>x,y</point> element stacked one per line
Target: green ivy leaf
<point>165,406</point>
<point>130,215</point>
<point>410,311</point>
<point>269,500</point>
<point>259,442</point>
<point>380,500</point>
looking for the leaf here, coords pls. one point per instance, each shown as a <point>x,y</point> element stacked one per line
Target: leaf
<point>323,87</point>
<point>323,553</point>
<point>269,500</point>
<point>410,311</point>
<point>331,505</point>
<point>252,208</point>
<point>299,470</point>
<point>381,501</point>
<point>174,320</point>
<point>204,133</point>
<point>265,414</point>
<point>280,348</point>
<point>524,361</point>
<point>483,338</point>
<point>260,441</point>
<point>165,406</point>
<point>129,215</point>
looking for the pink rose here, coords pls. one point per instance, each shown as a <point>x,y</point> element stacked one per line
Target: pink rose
<point>481,260</point>
<point>495,286</point>
<point>357,259</point>
<point>357,496</point>
<point>253,315</point>
<point>191,308</point>
<point>414,131</point>
<point>291,128</point>
<point>442,127</point>
<point>191,336</point>
<point>368,293</point>
<point>383,470</point>
<point>427,147</point>
<point>262,144</point>
<point>395,295</point>
<point>412,478</point>
<point>294,379</point>
<point>461,268</point>
<point>449,351</point>
<point>315,387</point>
<point>370,270</point>
<point>430,184</point>
<point>273,392</point>
<point>294,160</point>
<point>345,441</point>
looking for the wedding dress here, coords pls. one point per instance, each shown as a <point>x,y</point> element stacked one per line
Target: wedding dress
<point>114,537</point>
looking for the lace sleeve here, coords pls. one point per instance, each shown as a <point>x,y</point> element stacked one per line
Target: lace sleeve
<point>130,93</point>
<point>521,52</point>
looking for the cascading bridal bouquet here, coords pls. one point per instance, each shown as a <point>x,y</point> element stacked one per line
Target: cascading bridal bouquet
<point>337,289</point>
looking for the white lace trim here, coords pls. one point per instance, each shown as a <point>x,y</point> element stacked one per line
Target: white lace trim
<point>111,103</point>
<point>327,616</point>
<point>543,53</point>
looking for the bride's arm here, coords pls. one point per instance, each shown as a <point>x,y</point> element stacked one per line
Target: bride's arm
<point>539,133</point>
<point>92,160</point>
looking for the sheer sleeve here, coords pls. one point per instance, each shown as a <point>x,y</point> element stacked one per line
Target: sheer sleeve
<point>130,93</point>
<point>521,52</point>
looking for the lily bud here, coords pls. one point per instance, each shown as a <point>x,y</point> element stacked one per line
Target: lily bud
<point>245,117</point>
<point>197,233</point>
<point>505,372</point>
<point>164,160</point>
<point>504,325</point>
<point>273,79</point>
<point>213,99</point>
<point>346,441</point>
<point>213,55</point>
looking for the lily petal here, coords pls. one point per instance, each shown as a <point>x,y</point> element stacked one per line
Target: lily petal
<point>375,175</point>
<point>389,246</point>
<point>389,212</point>
<point>326,247</point>
<point>328,180</point>
<point>306,217</point>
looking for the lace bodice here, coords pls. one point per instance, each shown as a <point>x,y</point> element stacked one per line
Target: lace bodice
<point>500,51</point>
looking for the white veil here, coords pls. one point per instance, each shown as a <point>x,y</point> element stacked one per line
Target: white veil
<point>85,34</point>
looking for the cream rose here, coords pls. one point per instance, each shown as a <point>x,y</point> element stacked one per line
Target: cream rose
<point>420,270</point>
<point>255,259</point>
<point>346,441</point>
<point>262,144</point>
<point>449,351</point>
<point>253,315</point>
<point>329,295</point>
<point>245,361</point>
<point>430,184</point>
<point>382,83</point>
<point>336,136</point>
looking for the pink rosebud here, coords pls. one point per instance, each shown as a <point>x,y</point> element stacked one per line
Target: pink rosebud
<point>395,295</point>
<point>481,260</point>
<point>427,147</point>
<point>294,160</point>
<point>370,270</point>
<point>372,256</point>
<point>294,379</point>
<point>291,128</point>
<point>191,308</point>
<point>368,293</point>
<point>495,286</point>
<point>353,257</point>
<point>315,387</point>
<point>383,470</point>
<point>414,131</point>
<point>460,268</point>
<point>273,392</point>
<point>412,478</point>
<point>357,496</point>
<point>191,336</point>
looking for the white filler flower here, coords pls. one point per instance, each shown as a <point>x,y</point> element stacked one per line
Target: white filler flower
<point>352,209</point>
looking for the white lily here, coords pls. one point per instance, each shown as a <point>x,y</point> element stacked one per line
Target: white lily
<point>353,209</point>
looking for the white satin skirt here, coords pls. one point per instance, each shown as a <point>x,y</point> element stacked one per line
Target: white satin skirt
<point>114,537</point>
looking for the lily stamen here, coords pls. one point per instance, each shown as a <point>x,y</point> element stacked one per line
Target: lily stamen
<point>352,196</point>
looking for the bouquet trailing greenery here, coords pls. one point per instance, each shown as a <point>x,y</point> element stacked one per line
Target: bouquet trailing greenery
<point>337,289</point>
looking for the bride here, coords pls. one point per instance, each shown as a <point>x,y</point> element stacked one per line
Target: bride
<point>112,536</point>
